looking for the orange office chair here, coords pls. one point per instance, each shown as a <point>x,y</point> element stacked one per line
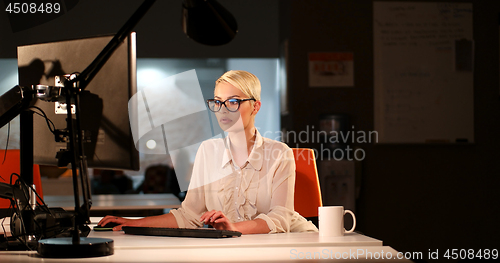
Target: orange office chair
<point>307,191</point>
<point>11,165</point>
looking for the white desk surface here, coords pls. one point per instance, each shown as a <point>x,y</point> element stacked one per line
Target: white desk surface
<point>282,247</point>
<point>118,202</point>
<point>255,254</point>
<point>123,241</point>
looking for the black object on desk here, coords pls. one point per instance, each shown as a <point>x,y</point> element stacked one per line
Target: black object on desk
<point>107,227</point>
<point>64,247</point>
<point>180,232</point>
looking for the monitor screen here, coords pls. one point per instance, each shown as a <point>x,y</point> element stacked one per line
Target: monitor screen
<point>104,116</point>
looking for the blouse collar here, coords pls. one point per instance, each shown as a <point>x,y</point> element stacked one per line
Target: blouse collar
<point>255,157</point>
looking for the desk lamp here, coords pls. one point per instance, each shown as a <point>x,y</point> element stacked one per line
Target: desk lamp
<point>204,21</point>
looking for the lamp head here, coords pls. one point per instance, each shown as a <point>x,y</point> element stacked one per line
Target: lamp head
<point>207,22</point>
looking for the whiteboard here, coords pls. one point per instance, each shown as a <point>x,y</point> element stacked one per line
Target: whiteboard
<point>423,72</point>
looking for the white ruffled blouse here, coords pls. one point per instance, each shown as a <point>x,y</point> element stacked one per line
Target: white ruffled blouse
<point>262,188</point>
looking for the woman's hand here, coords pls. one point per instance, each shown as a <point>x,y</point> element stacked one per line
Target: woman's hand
<point>115,219</point>
<point>218,220</point>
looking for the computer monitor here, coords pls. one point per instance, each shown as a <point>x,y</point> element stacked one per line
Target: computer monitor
<point>107,136</point>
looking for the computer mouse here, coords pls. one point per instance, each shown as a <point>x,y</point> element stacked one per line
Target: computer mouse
<point>108,227</point>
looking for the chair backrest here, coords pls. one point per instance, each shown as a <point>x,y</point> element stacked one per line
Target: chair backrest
<point>307,190</point>
<point>11,165</point>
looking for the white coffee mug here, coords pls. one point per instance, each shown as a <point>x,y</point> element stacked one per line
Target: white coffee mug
<point>331,221</point>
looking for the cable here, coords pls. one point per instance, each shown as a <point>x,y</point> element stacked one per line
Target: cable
<point>28,207</point>
<point>39,198</point>
<point>95,155</point>
<point>50,124</point>
<point>19,231</point>
<point>45,207</point>
<point>18,212</point>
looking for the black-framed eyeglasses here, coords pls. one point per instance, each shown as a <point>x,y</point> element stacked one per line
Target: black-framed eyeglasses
<point>232,105</point>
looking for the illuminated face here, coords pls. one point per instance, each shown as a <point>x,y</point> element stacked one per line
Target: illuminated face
<point>233,121</point>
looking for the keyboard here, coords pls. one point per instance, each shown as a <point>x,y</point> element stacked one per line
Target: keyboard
<point>180,232</point>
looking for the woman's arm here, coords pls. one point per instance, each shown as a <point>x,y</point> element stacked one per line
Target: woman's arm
<point>281,210</point>
<point>165,220</point>
<point>256,226</point>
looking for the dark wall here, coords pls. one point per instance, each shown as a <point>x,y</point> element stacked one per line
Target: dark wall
<point>159,33</point>
<point>413,197</point>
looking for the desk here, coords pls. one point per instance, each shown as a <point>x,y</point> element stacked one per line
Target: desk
<point>123,241</point>
<point>258,254</point>
<point>118,202</point>
<point>249,248</point>
<point>285,247</point>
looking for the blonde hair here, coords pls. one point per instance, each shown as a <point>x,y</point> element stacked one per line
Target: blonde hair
<point>245,81</point>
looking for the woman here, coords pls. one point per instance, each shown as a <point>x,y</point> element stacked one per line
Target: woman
<point>243,182</point>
